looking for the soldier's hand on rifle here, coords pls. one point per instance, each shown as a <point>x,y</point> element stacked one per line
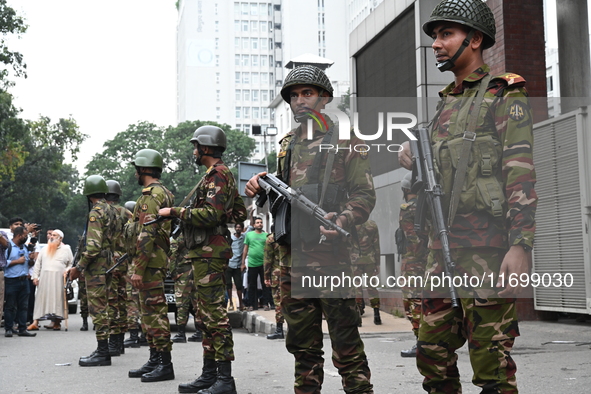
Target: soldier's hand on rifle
<point>252,187</point>
<point>405,157</point>
<point>74,273</point>
<point>331,234</point>
<point>136,281</point>
<point>515,263</point>
<point>164,211</point>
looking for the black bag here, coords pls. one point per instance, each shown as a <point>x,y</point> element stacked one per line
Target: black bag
<point>69,291</point>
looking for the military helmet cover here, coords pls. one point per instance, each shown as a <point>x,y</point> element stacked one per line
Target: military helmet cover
<point>95,184</point>
<point>148,158</point>
<point>306,75</point>
<point>473,13</point>
<point>210,136</point>
<point>114,187</point>
<point>406,182</point>
<point>130,205</point>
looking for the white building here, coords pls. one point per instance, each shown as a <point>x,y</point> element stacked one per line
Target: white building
<point>231,57</point>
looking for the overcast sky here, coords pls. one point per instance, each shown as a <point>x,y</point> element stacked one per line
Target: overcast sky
<point>107,63</point>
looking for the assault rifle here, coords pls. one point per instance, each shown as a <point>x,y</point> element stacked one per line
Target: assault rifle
<point>282,196</point>
<point>176,224</point>
<point>431,192</point>
<point>120,261</point>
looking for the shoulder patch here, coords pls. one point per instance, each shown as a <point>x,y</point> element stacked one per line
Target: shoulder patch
<point>147,191</point>
<point>92,219</point>
<point>516,112</point>
<point>511,78</point>
<point>364,153</point>
<point>211,185</point>
<point>144,207</point>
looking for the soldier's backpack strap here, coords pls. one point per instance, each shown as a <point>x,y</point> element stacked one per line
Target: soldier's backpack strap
<point>468,139</point>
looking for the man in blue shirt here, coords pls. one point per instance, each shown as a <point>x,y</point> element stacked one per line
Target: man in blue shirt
<point>17,284</point>
<point>234,271</point>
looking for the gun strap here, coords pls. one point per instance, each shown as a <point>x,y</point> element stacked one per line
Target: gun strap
<point>334,138</point>
<point>468,138</point>
<point>188,196</point>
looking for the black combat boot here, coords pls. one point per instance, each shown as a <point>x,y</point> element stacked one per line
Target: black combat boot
<point>377,320</point>
<point>197,337</point>
<point>84,324</point>
<point>206,380</point>
<point>151,365</point>
<point>120,339</point>
<point>412,352</point>
<point>143,340</point>
<point>225,382</point>
<point>278,334</point>
<point>114,345</point>
<point>133,340</point>
<point>99,357</point>
<point>180,337</point>
<point>163,371</point>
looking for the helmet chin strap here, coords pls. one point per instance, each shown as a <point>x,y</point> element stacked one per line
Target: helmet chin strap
<point>450,63</point>
<point>215,155</point>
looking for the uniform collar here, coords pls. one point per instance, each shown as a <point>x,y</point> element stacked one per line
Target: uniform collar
<point>470,80</point>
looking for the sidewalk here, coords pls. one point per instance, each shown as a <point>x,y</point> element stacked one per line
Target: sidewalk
<point>263,322</point>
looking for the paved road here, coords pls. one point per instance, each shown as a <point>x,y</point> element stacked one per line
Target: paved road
<point>28,365</point>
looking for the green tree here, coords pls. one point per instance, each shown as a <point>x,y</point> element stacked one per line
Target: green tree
<point>271,162</point>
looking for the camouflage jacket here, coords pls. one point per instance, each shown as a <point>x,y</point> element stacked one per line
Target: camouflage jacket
<point>369,244</point>
<point>153,241</point>
<point>276,256</point>
<point>351,171</point>
<point>216,203</point>
<point>416,243</point>
<point>498,201</point>
<point>97,256</point>
<point>123,216</point>
<point>179,263</point>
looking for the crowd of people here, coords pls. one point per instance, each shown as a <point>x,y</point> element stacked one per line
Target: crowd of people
<point>126,252</point>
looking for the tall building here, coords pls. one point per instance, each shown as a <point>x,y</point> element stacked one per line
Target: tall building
<point>231,57</point>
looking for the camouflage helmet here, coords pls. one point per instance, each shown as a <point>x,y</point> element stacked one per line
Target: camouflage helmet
<point>210,136</point>
<point>95,184</point>
<point>114,187</point>
<point>130,205</point>
<point>406,182</point>
<point>306,75</point>
<point>473,13</point>
<point>148,158</point>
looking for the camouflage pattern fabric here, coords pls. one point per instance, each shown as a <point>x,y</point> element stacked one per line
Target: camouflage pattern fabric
<point>150,261</point>
<point>272,264</point>
<point>132,306</point>
<point>82,296</point>
<point>365,259</point>
<point>304,340</point>
<point>505,121</point>
<point>181,270</point>
<point>96,259</point>
<point>118,290</point>
<point>488,324</point>
<point>216,203</point>
<point>351,171</point>
<point>212,317</point>
<point>413,262</point>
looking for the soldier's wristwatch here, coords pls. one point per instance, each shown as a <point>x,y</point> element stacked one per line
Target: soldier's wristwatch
<point>527,248</point>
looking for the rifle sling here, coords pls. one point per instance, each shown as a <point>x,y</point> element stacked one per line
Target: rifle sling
<point>468,139</point>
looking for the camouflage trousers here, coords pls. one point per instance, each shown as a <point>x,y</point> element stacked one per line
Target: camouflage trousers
<point>488,324</point>
<point>212,317</point>
<point>276,292</point>
<point>118,302</point>
<point>133,306</point>
<point>412,293</point>
<point>154,310</point>
<point>185,294</point>
<point>412,310</point>
<point>83,297</point>
<point>304,340</point>
<point>372,292</point>
<point>97,288</point>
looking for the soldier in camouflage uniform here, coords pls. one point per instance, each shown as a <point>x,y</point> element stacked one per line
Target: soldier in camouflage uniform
<point>413,260</point>
<point>352,198</point>
<point>118,292</point>
<point>149,265</point>
<point>216,203</point>
<point>492,225</point>
<point>96,258</point>
<point>272,264</point>
<point>365,259</point>
<point>185,291</point>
